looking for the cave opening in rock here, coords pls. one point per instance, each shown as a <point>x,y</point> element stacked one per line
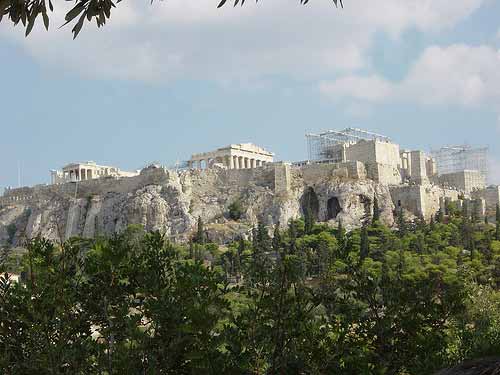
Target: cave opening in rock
<point>310,202</point>
<point>333,208</point>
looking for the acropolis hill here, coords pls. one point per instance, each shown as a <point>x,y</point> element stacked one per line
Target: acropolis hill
<point>346,170</point>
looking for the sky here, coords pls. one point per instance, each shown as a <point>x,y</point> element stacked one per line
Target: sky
<point>160,82</point>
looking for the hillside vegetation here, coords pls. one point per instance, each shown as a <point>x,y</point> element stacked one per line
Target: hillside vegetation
<point>308,300</point>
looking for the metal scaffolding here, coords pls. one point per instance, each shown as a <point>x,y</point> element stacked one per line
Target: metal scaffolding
<point>451,159</point>
<point>322,146</point>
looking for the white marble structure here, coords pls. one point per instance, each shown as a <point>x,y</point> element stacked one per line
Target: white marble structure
<point>234,156</point>
<point>86,171</point>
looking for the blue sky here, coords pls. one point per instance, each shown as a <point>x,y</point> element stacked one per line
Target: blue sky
<point>166,80</point>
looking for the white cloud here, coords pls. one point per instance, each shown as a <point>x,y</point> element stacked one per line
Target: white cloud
<point>458,75</point>
<point>371,88</point>
<point>193,39</point>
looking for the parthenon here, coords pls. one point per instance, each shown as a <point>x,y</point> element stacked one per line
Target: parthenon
<point>234,156</point>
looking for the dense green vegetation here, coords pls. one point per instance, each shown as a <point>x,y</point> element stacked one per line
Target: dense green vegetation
<point>307,300</point>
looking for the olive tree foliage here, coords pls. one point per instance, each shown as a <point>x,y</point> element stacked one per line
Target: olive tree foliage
<point>27,12</point>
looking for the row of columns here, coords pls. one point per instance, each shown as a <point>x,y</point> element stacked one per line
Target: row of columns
<point>81,174</point>
<point>230,161</point>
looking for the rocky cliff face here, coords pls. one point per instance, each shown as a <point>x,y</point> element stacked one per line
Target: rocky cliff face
<point>171,202</point>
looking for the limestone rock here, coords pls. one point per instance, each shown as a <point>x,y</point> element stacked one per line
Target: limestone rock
<point>171,202</point>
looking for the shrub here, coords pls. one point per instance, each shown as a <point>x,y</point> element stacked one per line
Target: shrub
<point>235,210</point>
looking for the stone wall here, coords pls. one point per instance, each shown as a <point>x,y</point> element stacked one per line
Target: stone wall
<point>172,201</point>
<point>491,196</point>
<point>418,172</point>
<point>282,178</point>
<point>383,173</point>
<point>387,153</point>
<point>467,180</point>
<point>422,200</point>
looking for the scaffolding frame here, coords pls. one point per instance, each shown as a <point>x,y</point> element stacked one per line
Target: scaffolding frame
<point>322,146</point>
<point>457,158</point>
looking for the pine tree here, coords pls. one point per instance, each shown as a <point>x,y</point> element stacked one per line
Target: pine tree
<point>365,244</point>
<point>475,209</point>
<point>308,218</point>
<point>497,223</point>
<point>191,250</point>
<point>432,224</point>
<point>241,246</point>
<point>277,238</point>
<point>200,233</point>
<point>340,233</point>
<point>239,256</point>
<point>376,211</point>
<point>292,234</point>
<point>465,209</point>
<point>255,240</point>
<point>401,223</point>
<point>440,216</point>
<point>421,224</point>
<point>263,240</point>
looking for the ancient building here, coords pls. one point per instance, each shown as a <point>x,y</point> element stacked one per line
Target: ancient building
<point>417,167</point>
<point>346,171</point>
<point>491,196</point>
<point>466,180</point>
<point>234,156</point>
<point>86,171</point>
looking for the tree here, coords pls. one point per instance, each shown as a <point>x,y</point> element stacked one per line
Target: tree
<point>277,241</point>
<point>376,210</point>
<point>497,222</point>
<point>308,219</point>
<point>393,303</point>
<point>200,232</point>
<point>365,244</point>
<point>440,216</point>
<point>402,226</point>
<point>235,210</point>
<point>28,11</point>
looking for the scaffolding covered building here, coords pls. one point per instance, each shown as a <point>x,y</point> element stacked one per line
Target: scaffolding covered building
<point>328,145</point>
<point>377,154</point>
<point>462,166</point>
<point>451,159</point>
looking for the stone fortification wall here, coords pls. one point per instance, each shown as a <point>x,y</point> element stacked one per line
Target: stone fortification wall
<point>349,170</point>
<point>418,172</point>
<point>172,201</point>
<point>383,173</point>
<point>491,196</point>
<point>387,153</point>
<point>422,200</point>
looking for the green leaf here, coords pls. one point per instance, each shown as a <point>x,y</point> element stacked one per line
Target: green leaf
<point>78,27</point>
<point>45,20</point>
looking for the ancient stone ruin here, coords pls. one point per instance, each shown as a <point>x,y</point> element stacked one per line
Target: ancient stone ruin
<point>345,172</point>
